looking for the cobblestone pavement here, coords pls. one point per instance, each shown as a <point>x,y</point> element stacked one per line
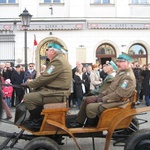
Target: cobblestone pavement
<point>85,143</point>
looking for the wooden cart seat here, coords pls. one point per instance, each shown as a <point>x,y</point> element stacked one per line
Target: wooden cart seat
<point>109,114</point>
<point>55,105</point>
<point>56,112</point>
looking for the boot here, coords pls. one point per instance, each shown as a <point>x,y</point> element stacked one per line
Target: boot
<point>92,122</point>
<point>35,120</point>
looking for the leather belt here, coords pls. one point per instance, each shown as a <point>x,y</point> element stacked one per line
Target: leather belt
<point>54,88</point>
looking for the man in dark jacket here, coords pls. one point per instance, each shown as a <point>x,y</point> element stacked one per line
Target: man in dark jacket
<point>30,73</point>
<point>17,79</point>
<point>86,78</point>
<point>146,84</point>
<point>137,73</point>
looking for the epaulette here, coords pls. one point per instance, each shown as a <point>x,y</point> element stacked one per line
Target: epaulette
<point>121,73</point>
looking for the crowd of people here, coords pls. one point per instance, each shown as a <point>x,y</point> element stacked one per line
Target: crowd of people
<point>11,79</point>
<point>93,77</point>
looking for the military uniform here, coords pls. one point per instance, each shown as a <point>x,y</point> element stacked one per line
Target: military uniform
<point>122,87</point>
<point>54,81</point>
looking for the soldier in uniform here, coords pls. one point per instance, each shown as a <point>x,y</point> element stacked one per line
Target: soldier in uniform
<point>116,95</point>
<point>55,79</point>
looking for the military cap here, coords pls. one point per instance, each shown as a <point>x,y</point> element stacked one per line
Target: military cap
<point>57,46</point>
<point>113,65</point>
<point>124,57</point>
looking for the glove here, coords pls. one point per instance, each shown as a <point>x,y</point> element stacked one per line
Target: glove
<point>100,97</point>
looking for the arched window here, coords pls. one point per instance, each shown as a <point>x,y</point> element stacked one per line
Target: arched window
<point>105,52</point>
<point>138,53</point>
<point>105,49</point>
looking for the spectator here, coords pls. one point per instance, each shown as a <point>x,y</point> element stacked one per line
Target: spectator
<point>86,78</point>
<point>107,62</point>
<point>30,73</point>
<point>146,84</point>
<point>96,81</point>
<point>17,79</point>
<point>137,73</point>
<point>102,73</point>
<point>7,74</point>
<point>84,69</point>
<point>79,86</point>
<point>43,67</point>
<point>78,65</point>
<point>71,93</point>
<point>8,70</point>
<point>2,66</point>
<point>2,102</point>
<point>7,92</point>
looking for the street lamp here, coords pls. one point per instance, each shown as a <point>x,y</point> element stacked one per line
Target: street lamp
<point>25,19</point>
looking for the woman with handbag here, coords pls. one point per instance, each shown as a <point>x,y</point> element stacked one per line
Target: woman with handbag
<point>96,81</point>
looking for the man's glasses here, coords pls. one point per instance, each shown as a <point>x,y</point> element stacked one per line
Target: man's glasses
<point>50,48</point>
<point>123,60</point>
<point>30,66</point>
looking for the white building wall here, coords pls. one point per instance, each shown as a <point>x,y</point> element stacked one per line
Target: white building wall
<point>120,11</point>
<point>89,39</point>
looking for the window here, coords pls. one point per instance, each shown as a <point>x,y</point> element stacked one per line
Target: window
<point>8,1</point>
<point>105,49</point>
<point>138,53</point>
<point>139,2</point>
<point>2,1</point>
<point>52,1</point>
<point>7,44</point>
<point>105,52</point>
<point>11,1</point>
<point>137,49</point>
<point>106,1</point>
<point>101,1</point>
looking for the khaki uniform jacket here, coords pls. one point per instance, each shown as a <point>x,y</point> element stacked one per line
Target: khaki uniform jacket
<point>55,79</point>
<point>122,86</point>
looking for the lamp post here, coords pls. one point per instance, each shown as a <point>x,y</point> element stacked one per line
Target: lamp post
<point>25,19</point>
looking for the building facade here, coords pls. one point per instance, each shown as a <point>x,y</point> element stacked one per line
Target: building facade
<point>92,31</point>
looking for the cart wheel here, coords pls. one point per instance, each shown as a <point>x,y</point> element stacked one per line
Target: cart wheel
<point>41,143</point>
<point>139,140</point>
